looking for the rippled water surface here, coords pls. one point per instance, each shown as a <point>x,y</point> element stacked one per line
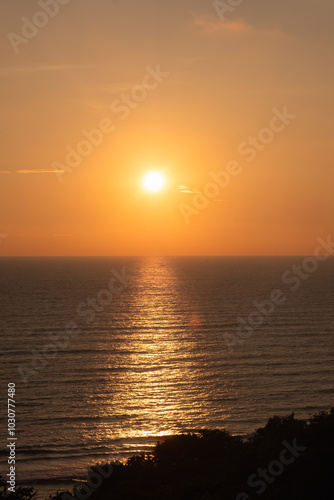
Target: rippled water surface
<point>154,359</point>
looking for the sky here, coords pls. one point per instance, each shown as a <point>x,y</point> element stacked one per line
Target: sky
<point>231,104</point>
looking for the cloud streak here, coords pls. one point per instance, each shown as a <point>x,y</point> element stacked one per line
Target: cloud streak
<point>35,171</point>
<point>211,26</point>
<point>185,189</point>
<point>29,171</point>
<point>16,70</point>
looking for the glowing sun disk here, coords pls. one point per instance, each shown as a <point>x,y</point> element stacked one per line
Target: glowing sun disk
<point>154,181</point>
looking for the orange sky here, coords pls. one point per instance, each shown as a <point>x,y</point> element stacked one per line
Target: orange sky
<point>178,89</point>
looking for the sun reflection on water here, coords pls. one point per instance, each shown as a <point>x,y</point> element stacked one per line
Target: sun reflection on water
<point>158,375</point>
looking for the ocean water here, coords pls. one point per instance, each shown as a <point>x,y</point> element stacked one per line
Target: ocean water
<point>157,356</point>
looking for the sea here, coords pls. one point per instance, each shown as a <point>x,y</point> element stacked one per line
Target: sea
<point>109,355</point>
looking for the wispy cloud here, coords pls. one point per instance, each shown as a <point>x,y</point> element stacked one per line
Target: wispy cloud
<point>185,189</point>
<point>35,171</point>
<point>29,171</point>
<point>15,70</point>
<point>210,25</point>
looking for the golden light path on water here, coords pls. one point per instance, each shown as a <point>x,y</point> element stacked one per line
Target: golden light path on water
<point>164,383</point>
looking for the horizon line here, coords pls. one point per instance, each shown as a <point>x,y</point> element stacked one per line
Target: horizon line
<point>153,256</point>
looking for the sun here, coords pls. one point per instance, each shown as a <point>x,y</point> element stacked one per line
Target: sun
<point>154,181</point>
